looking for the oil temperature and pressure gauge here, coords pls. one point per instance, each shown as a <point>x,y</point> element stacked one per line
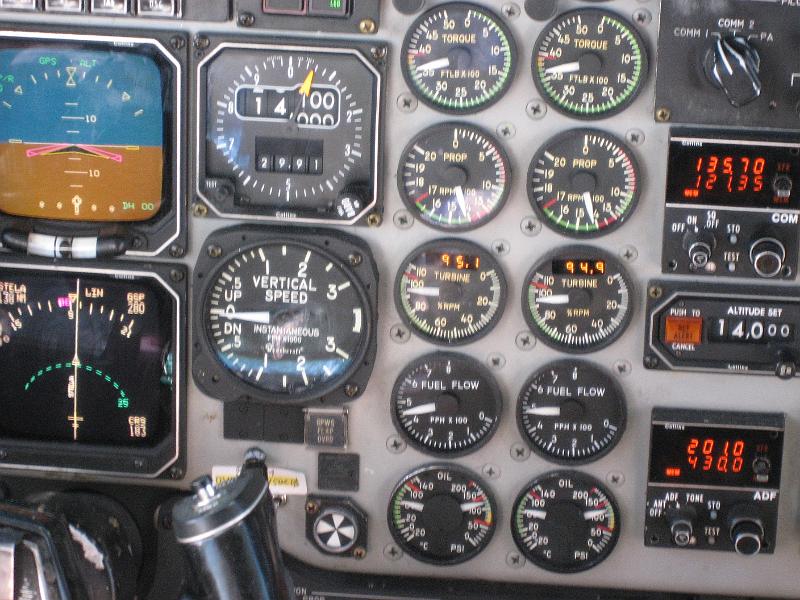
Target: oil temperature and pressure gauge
<point>589,63</point>
<point>584,183</point>
<point>450,291</point>
<point>454,177</point>
<point>442,515</point>
<point>459,58</point>
<point>289,133</point>
<point>446,403</point>
<point>286,319</point>
<point>565,522</point>
<point>578,299</point>
<point>571,412</point>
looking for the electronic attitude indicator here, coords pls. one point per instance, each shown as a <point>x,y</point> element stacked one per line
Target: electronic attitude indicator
<point>565,522</point>
<point>589,63</point>
<point>584,183</point>
<point>446,403</point>
<point>85,359</point>
<point>454,177</point>
<point>442,515</point>
<point>287,318</point>
<point>81,134</point>
<point>571,412</point>
<point>291,133</point>
<point>578,299</point>
<point>459,58</point>
<point>450,291</point>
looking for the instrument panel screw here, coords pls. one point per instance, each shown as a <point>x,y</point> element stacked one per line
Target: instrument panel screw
<point>359,553</point>
<point>201,42</point>
<point>351,390</point>
<point>496,361</point>
<point>407,103</point>
<point>629,253</point>
<point>623,367</point>
<point>367,26</point>
<point>392,552</point>
<point>399,334</point>
<point>491,471</point>
<point>536,109</point>
<point>520,452</point>
<point>506,130</point>
<point>650,362</point>
<point>214,251</point>
<point>615,478</point>
<point>312,507</point>
<point>176,473</point>
<point>177,42</point>
<point>175,275</point>
<point>176,251</point>
<point>643,16</point>
<point>355,259</point>
<point>635,137</point>
<point>374,220</point>
<point>663,114</point>
<point>403,220</point>
<point>246,19</point>
<point>515,560</point>
<point>3,454</point>
<point>395,444</point>
<point>655,292</point>
<point>511,10</point>
<point>199,210</point>
<point>525,341</point>
<point>530,226</point>
<point>378,52</point>
<point>501,247</point>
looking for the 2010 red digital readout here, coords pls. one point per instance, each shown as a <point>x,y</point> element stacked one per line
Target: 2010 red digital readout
<point>734,174</point>
<point>721,456</point>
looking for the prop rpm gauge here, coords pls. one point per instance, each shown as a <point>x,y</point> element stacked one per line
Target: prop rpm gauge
<point>459,58</point>
<point>82,133</point>
<point>571,412</point>
<point>584,183</point>
<point>578,299</point>
<point>565,522</point>
<point>291,133</point>
<point>589,63</point>
<point>287,318</point>
<point>450,291</point>
<point>454,177</point>
<point>446,403</point>
<point>442,515</point>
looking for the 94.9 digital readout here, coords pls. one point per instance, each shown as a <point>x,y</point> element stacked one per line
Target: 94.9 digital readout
<point>579,267</point>
<point>718,456</point>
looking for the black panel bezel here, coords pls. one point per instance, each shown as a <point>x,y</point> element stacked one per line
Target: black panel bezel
<point>165,460</point>
<point>164,234</point>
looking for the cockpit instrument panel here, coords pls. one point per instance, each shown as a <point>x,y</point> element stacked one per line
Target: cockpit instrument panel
<point>90,361</point>
<point>89,137</point>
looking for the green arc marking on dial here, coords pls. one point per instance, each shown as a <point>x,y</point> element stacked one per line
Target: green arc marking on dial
<point>88,368</point>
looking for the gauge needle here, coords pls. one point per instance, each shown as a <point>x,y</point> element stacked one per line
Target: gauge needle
<point>468,506</point>
<point>554,299</point>
<point>570,67</point>
<point>591,514</point>
<point>76,361</point>
<point>544,411</point>
<point>536,514</point>
<point>305,89</point>
<point>462,201</point>
<point>422,409</point>
<point>587,201</point>
<point>417,506</point>
<point>439,63</point>
<point>426,291</point>
<point>251,317</point>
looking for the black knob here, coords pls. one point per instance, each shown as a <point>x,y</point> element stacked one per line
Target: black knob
<point>747,536</point>
<point>700,247</point>
<point>767,256</point>
<point>732,64</point>
<point>682,530</point>
<point>782,186</point>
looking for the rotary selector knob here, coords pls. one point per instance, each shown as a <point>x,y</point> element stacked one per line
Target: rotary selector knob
<point>681,526</point>
<point>767,256</point>
<point>747,537</point>
<point>700,247</point>
<point>733,65</point>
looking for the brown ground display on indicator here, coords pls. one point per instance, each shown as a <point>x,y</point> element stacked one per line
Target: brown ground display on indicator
<point>95,183</point>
